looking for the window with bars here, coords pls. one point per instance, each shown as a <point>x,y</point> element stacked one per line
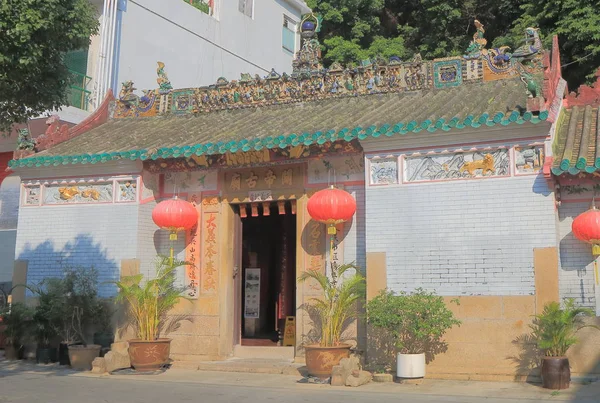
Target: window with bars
<point>76,62</point>
<point>246,7</point>
<point>288,35</point>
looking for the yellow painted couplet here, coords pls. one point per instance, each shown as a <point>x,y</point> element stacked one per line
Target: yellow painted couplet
<point>289,333</point>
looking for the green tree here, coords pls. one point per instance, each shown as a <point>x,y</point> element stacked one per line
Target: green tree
<point>34,37</point>
<point>357,29</point>
<point>577,24</point>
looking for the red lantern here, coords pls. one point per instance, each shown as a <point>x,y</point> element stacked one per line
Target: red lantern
<point>586,227</point>
<point>175,215</point>
<point>331,206</point>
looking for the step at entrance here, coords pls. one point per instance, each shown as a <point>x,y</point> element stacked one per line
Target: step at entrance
<point>266,353</point>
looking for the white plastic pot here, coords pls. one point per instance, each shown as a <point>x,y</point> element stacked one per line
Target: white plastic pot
<point>410,365</point>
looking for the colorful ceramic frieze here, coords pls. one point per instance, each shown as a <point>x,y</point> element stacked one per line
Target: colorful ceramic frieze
<point>383,171</point>
<point>529,159</point>
<point>76,193</point>
<point>461,165</point>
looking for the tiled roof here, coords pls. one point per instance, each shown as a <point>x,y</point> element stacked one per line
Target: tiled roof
<point>501,102</point>
<point>577,142</point>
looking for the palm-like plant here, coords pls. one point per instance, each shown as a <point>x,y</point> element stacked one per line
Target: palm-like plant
<point>149,302</point>
<point>555,328</point>
<point>339,302</point>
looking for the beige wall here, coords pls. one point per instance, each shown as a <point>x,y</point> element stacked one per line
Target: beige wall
<point>492,343</point>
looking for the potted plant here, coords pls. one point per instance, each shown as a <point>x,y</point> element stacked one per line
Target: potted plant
<point>148,303</point>
<point>104,335</point>
<point>416,322</point>
<point>17,321</point>
<point>69,304</point>
<point>44,334</point>
<point>555,332</point>
<point>81,355</point>
<point>337,306</point>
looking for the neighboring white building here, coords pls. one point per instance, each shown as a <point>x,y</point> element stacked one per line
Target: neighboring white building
<point>197,40</point>
<point>197,48</point>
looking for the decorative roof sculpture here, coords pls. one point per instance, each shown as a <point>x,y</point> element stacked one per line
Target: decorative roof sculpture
<point>379,97</point>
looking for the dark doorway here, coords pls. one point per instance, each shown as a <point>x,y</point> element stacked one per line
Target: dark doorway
<point>269,272</point>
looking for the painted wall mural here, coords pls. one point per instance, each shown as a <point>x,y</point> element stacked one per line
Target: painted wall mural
<point>383,171</point>
<point>32,195</point>
<point>461,165</point>
<point>150,187</point>
<point>73,194</point>
<point>127,191</point>
<point>252,158</point>
<point>529,159</point>
<point>191,181</point>
<point>81,191</point>
<point>340,169</point>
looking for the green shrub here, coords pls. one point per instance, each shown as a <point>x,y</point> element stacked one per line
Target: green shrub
<point>416,321</point>
<point>149,302</point>
<point>341,294</point>
<point>555,328</point>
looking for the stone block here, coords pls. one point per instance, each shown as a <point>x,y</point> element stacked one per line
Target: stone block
<point>342,372</point>
<point>359,378</point>
<point>120,347</point>
<point>411,381</point>
<point>481,307</point>
<point>381,378</point>
<point>337,378</point>
<point>98,365</point>
<point>115,360</point>
<point>518,307</point>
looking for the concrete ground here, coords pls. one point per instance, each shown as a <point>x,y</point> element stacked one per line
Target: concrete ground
<point>29,383</point>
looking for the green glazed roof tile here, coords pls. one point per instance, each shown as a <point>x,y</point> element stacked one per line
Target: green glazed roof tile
<point>360,117</point>
<point>577,141</point>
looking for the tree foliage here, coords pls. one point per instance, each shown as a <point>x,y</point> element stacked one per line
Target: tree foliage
<point>149,301</point>
<point>342,291</point>
<point>417,321</point>
<point>354,30</point>
<point>555,328</point>
<point>34,37</point>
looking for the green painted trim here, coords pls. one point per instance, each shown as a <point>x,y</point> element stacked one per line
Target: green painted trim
<point>281,141</point>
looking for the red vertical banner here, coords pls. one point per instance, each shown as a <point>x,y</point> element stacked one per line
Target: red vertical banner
<point>209,276</point>
<point>192,252</point>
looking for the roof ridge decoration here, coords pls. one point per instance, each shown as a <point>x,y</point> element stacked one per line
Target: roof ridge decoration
<point>585,95</point>
<point>299,141</point>
<point>310,81</point>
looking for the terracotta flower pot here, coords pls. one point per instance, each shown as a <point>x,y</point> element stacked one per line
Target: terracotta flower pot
<point>556,373</point>
<point>81,357</point>
<point>12,353</point>
<point>321,360</point>
<point>149,355</point>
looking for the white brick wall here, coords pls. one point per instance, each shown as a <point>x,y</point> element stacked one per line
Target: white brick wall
<point>9,213</point>
<point>7,254</point>
<point>9,202</point>
<point>79,235</point>
<point>576,273</point>
<point>462,237</point>
<point>152,241</point>
<point>354,240</point>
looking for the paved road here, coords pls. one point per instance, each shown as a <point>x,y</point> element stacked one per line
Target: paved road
<point>55,388</point>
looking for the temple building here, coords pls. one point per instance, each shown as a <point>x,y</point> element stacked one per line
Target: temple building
<point>467,172</point>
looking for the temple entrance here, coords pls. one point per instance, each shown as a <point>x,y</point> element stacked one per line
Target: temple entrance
<point>267,273</point>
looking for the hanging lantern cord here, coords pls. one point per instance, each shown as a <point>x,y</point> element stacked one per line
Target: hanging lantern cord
<point>172,238</point>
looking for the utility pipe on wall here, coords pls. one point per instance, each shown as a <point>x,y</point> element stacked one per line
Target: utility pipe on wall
<point>107,38</point>
<point>101,54</point>
<point>111,49</point>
